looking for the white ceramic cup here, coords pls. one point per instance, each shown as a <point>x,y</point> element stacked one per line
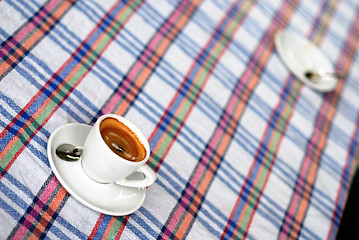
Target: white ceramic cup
<point>104,166</point>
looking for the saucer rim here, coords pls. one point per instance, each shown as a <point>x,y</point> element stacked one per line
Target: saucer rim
<point>71,191</point>
<point>321,86</point>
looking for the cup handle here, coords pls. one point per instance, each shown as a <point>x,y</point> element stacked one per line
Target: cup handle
<point>150,177</point>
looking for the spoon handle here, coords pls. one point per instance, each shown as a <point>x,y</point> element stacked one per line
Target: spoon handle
<point>315,77</point>
<point>335,74</point>
<point>339,75</point>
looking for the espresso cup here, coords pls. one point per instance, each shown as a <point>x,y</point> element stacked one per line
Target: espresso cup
<point>113,150</point>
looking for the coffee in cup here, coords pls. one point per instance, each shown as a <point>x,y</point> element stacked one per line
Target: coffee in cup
<point>122,140</point>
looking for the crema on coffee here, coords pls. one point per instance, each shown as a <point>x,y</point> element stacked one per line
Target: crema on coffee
<point>122,140</point>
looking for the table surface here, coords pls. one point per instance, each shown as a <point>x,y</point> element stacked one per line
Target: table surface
<point>241,147</point>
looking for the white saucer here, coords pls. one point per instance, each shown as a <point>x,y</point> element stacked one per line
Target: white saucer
<point>111,199</point>
<point>301,55</point>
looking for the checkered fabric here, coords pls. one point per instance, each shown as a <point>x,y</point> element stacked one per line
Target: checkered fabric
<point>242,149</point>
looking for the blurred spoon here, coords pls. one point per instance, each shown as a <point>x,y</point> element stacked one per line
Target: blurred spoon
<point>68,152</point>
<point>315,76</point>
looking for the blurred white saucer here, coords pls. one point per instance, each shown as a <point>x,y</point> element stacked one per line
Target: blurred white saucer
<point>301,55</point>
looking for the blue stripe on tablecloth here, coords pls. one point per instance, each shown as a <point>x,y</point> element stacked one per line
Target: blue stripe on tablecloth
<point>50,224</point>
<point>23,205</point>
<point>191,143</point>
<point>12,193</point>
<point>191,133</point>
<point>136,231</point>
<point>150,217</point>
<point>136,218</point>
<point>329,134</point>
<point>240,137</point>
<point>38,100</point>
<point>21,120</point>
<point>333,37</point>
<point>345,179</point>
<point>188,148</point>
<point>78,119</point>
<point>33,81</point>
<point>225,4</point>
<point>13,197</point>
<point>176,194</point>
<point>347,108</point>
<point>29,77</point>
<point>262,209</point>
<point>69,40</point>
<point>14,129</point>
<point>258,112</point>
<point>186,45</point>
<point>95,74</point>
<point>101,230</point>
<point>32,208</point>
<point>24,116</point>
<point>29,21</point>
<point>287,174</point>
<point>272,207</point>
<point>15,215</point>
<point>82,121</point>
<point>179,190</point>
<point>8,209</point>
<point>212,206</point>
<point>110,76</point>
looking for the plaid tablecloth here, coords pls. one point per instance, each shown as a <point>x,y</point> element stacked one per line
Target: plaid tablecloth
<point>241,147</point>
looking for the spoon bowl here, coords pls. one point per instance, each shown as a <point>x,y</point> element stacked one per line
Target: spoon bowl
<point>68,152</point>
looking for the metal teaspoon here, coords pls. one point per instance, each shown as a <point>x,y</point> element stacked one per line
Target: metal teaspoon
<point>315,77</point>
<point>68,152</point>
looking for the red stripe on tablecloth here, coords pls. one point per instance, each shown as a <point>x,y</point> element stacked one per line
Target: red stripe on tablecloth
<point>176,220</point>
<point>68,63</point>
<point>302,192</point>
<point>30,34</point>
<point>138,75</point>
<point>294,92</point>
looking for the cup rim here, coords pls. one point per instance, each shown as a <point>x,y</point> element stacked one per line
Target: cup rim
<point>133,127</point>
